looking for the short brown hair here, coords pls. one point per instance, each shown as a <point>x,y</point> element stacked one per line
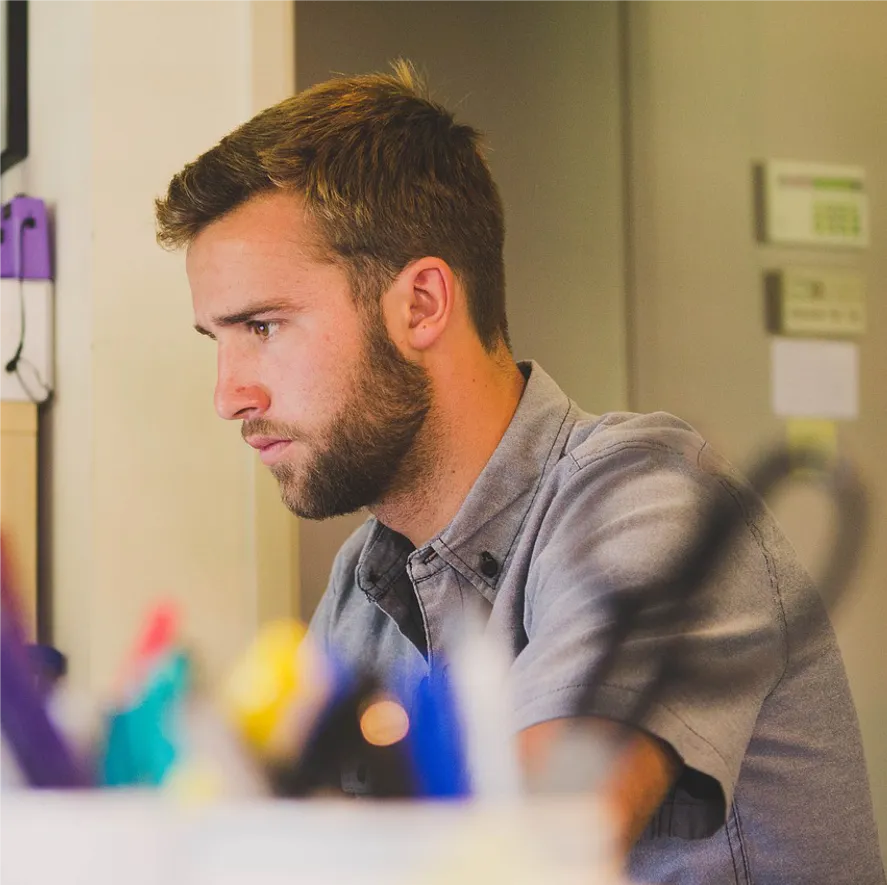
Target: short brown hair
<point>385,172</point>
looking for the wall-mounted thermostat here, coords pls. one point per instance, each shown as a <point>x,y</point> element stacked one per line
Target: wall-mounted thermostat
<point>814,204</point>
<point>816,302</point>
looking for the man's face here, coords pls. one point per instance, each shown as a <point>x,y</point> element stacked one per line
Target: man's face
<point>332,406</point>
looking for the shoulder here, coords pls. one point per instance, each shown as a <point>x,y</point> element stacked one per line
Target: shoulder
<point>639,486</point>
<point>597,439</point>
<point>628,447</point>
<point>624,456</point>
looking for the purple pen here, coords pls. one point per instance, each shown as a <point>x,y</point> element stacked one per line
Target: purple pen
<point>42,753</point>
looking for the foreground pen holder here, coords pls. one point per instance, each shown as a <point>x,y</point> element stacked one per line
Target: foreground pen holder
<point>143,839</point>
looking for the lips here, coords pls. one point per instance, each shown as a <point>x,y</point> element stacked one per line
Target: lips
<point>270,448</point>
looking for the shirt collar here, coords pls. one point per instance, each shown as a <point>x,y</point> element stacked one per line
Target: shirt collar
<point>479,539</point>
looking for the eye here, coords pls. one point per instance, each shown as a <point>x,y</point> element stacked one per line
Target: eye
<point>263,329</point>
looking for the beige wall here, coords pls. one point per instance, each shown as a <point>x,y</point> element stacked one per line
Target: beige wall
<point>715,87</point>
<point>148,494</point>
<point>541,80</point>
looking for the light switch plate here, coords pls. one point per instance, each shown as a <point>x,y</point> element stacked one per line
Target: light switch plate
<point>816,302</point>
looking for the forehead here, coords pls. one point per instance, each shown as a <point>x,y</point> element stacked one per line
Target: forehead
<point>269,230</point>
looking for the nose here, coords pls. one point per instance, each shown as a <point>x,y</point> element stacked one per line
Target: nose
<point>237,396</point>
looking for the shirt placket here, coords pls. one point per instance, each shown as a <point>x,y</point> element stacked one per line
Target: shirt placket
<point>442,593</point>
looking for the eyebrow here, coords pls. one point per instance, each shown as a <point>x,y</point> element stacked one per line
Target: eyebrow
<point>245,316</point>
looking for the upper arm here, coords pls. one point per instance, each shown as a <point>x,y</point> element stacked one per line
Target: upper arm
<point>619,526</point>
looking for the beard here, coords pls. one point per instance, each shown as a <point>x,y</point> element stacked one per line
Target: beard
<point>372,447</point>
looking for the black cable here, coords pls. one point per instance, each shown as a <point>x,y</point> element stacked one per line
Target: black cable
<point>12,365</point>
<point>47,392</point>
<point>18,359</point>
<point>663,605</point>
<point>25,224</point>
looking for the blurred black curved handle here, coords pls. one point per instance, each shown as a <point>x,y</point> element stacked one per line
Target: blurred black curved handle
<point>663,604</point>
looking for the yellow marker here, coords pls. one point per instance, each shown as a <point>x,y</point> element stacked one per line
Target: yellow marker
<point>263,682</point>
<point>818,434</point>
<point>276,689</point>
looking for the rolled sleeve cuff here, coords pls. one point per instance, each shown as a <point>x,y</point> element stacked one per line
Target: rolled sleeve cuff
<point>615,703</point>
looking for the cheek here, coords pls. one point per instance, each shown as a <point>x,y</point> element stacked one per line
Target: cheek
<point>307,385</point>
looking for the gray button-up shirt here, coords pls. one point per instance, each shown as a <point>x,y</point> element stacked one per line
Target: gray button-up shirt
<point>570,511</point>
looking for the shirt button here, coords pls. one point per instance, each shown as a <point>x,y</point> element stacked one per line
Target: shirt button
<point>488,565</point>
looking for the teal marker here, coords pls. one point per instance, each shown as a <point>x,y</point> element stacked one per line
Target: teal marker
<point>143,740</point>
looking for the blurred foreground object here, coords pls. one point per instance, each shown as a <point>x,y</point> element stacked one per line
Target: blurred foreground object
<point>144,840</point>
<point>665,603</point>
<point>42,754</point>
<point>50,666</point>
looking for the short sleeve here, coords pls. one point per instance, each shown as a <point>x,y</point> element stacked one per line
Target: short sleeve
<point>621,521</point>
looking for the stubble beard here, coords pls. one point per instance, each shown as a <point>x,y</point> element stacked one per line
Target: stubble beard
<point>376,446</point>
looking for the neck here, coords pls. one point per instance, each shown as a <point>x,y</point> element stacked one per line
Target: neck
<point>472,411</point>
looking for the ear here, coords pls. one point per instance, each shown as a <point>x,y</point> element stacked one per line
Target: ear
<point>419,304</point>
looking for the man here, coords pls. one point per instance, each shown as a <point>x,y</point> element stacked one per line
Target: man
<point>345,254</point>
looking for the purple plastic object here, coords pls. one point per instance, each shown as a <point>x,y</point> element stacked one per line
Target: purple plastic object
<point>40,750</point>
<point>24,252</point>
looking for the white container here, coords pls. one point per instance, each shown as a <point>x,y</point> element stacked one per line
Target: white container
<point>146,839</point>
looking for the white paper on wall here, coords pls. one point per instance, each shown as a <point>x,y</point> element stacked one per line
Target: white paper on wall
<point>815,379</point>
